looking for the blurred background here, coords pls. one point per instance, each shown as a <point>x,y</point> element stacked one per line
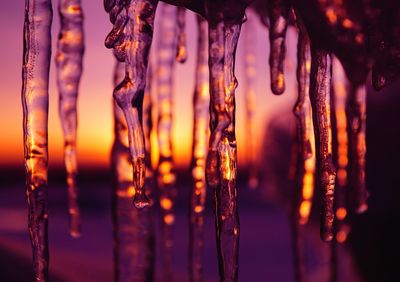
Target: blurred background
<point>370,253</point>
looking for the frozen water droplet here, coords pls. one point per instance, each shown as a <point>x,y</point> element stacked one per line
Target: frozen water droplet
<point>278,11</point>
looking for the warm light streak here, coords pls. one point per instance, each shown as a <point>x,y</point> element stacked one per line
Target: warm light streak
<point>304,211</point>
<point>305,131</point>
<point>341,124</point>
<point>227,157</point>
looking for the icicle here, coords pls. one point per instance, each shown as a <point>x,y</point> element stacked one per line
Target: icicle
<point>305,132</point>
<point>250,96</point>
<point>221,167</point>
<point>357,126</point>
<point>320,84</point>
<point>339,83</point>
<point>69,69</point>
<point>199,153</point>
<point>278,11</point>
<point>131,38</point>
<point>305,164</point>
<point>181,50</point>
<point>132,228</point>
<point>35,98</point>
<point>166,175</point>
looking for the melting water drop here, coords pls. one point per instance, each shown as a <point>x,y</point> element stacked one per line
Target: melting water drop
<point>320,87</point>
<point>69,69</point>
<point>131,40</point>
<point>221,167</point>
<point>201,100</point>
<point>250,96</point>
<point>35,98</point>
<point>133,229</point>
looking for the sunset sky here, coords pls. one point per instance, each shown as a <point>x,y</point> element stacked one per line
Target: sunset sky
<point>95,133</point>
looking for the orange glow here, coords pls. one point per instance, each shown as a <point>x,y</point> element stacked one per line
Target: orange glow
<point>182,53</point>
<point>169,219</point>
<point>341,213</point>
<point>304,211</point>
<point>331,16</point>
<point>308,66</point>
<point>281,80</point>
<point>307,190</point>
<point>205,90</point>
<point>308,185</point>
<point>341,237</point>
<point>165,203</point>
<point>198,172</point>
<point>347,23</point>
<point>309,172</point>
<point>168,178</point>
<point>71,37</point>
<point>342,176</point>
<point>227,161</point>
<point>74,9</point>
<point>165,167</point>
<point>341,123</point>
<point>128,193</point>
<point>198,209</point>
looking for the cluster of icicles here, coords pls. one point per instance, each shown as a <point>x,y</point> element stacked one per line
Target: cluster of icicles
<point>327,113</point>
